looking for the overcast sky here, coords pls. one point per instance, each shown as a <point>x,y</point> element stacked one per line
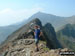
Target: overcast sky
<point>13,11</point>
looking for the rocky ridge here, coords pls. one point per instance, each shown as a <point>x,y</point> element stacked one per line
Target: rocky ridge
<point>22,43</point>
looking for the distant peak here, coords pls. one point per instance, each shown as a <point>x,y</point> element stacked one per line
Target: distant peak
<point>39,12</point>
<point>43,13</point>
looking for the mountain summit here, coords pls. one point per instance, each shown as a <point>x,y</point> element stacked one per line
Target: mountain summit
<point>56,21</point>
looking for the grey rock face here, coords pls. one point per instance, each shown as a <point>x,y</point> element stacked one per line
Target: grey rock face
<point>25,41</point>
<point>51,38</point>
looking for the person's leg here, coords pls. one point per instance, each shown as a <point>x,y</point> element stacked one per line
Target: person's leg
<point>37,47</point>
<point>36,43</point>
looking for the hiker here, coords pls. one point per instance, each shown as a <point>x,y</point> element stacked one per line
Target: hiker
<point>37,35</point>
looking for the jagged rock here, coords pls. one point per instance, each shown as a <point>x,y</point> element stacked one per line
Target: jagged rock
<point>29,50</point>
<point>65,49</point>
<point>50,36</point>
<point>26,41</point>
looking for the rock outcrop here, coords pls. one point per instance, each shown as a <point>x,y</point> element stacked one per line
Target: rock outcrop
<point>51,38</point>
<point>26,47</point>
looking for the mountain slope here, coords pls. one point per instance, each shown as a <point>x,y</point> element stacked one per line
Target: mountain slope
<point>71,20</point>
<point>56,21</point>
<point>5,31</point>
<point>66,35</point>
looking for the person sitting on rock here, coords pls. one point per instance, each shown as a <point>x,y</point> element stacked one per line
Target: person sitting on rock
<point>37,35</point>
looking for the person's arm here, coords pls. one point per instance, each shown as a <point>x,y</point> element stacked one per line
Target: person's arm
<point>40,34</point>
<point>34,33</point>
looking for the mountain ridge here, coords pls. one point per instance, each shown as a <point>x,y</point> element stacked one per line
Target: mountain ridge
<point>44,17</point>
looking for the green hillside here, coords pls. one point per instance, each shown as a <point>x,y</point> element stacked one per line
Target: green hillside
<point>66,36</point>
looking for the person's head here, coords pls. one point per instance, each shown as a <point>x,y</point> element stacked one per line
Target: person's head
<point>36,27</point>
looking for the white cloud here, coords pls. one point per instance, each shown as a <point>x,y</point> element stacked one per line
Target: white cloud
<point>9,16</point>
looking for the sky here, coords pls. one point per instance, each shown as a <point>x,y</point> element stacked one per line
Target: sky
<point>13,11</point>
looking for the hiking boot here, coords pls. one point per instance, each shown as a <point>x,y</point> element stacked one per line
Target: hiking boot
<point>37,50</point>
